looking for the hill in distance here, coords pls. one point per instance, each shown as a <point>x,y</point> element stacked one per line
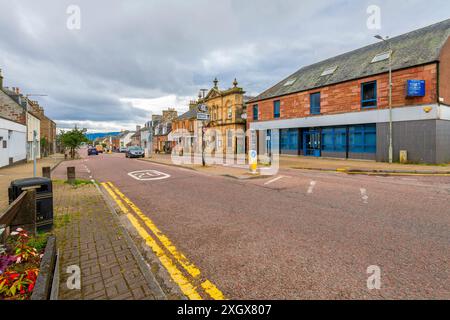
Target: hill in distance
<point>93,136</point>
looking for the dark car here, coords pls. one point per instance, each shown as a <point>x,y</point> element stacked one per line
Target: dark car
<point>92,152</point>
<point>135,152</point>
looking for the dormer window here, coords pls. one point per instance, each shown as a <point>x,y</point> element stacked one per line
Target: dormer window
<point>382,56</point>
<point>328,71</point>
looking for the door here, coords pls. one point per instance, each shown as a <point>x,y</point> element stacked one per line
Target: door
<point>312,143</point>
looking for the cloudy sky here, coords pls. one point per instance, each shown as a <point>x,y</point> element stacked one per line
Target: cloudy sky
<point>131,58</point>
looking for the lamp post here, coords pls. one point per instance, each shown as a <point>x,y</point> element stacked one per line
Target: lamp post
<point>391,148</point>
<point>203,108</point>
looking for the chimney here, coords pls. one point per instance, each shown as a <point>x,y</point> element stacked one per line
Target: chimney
<point>1,79</point>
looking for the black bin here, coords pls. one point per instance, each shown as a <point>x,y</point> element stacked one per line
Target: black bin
<point>44,199</point>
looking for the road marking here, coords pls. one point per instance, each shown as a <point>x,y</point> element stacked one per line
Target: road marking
<point>186,287</point>
<point>364,195</point>
<point>148,175</point>
<point>312,184</point>
<point>274,180</point>
<point>190,268</point>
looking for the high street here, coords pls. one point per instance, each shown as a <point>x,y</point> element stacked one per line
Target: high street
<point>297,235</point>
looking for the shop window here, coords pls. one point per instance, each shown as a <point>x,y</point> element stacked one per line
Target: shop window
<point>289,139</point>
<point>334,139</point>
<point>363,139</point>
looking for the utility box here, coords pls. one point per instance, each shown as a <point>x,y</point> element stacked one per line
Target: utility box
<point>44,199</point>
<point>403,156</point>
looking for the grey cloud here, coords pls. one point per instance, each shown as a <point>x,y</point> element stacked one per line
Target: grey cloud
<point>150,49</point>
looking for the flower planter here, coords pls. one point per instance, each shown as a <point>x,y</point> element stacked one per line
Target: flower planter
<point>46,286</point>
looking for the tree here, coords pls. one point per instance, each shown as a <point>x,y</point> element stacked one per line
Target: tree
<point>72,140</point>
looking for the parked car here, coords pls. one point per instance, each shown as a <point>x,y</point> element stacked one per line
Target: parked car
<point>92,152</point>
<point>123,149</point>
<point>135,152</point>
<point>99,148</point>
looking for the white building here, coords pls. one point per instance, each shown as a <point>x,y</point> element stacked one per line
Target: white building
<point>125,138</point>
<point>147,141</point>
<point>33,144</point>
<point>12,142</point>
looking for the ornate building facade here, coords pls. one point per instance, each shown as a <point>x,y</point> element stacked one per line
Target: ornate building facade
<point>226,109</point>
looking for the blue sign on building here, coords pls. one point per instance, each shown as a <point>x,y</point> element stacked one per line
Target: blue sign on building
<point>415,88</point>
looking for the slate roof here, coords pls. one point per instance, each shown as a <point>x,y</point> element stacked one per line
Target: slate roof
<point>415,48</point>
<point>191,114</point>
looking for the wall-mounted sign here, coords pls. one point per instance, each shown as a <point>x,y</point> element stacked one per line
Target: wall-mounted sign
<point>202,116</point>
<point>415,88</point>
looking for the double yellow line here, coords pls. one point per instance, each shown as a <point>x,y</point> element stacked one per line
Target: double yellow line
<point>189,278</point>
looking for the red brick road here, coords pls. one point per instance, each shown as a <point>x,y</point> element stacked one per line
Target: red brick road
<point>309,235</point>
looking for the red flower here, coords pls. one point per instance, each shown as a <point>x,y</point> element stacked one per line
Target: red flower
<point>13,276</point>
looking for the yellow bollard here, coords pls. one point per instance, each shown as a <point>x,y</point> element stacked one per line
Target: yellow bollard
<point>253,161</point>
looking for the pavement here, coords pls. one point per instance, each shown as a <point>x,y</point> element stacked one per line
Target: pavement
<point>157,231</point>
<point>317,164</point>
<point>300,234</point>
<point>91,237</point>
<point>23,170</point>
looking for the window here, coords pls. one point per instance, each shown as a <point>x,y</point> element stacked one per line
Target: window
<point>290,82</point>
<point>334,139</point>
<point>5,144</point>
<point>328,71</point>
<point>381,57</point>
<point>363,138</point>
<point>369,95</point>
<point>289,140</point>
<point>255,112</point>
<point>276,109</point>
<point>230,113</point>
<point>230,138</point>
<point>315,103</point>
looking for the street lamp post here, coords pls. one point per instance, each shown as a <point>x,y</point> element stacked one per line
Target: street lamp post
<point>391,148</point>
<point>204,124</point>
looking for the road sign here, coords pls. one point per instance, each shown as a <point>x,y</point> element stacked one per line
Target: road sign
<point>203,108</point>
<point>148,175</point>
<point>202,116</point>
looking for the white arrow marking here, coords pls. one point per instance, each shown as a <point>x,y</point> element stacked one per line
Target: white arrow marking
<point>312,184</point>
<point>364,195</point>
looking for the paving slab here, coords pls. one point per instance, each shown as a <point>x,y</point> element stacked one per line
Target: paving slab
<point>91,237</point>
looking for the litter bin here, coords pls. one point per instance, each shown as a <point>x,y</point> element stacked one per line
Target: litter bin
<point>44,199</point>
